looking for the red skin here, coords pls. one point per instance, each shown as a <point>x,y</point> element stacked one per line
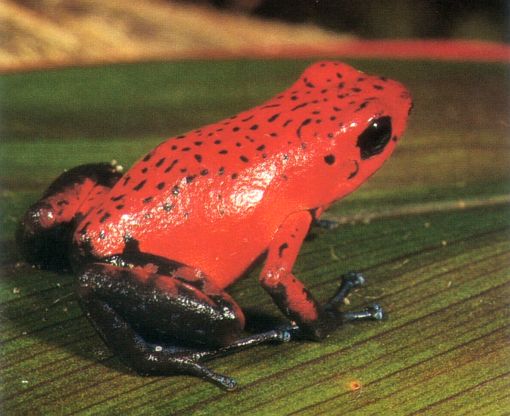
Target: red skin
<point>190,217</point>
<point>221,225</point>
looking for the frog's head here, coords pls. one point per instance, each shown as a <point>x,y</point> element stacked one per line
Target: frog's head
<point>366,116</point>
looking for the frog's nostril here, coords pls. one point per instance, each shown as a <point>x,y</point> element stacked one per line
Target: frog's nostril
<point>375,137</point>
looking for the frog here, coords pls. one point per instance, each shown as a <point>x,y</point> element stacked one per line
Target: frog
<point>155,249</point>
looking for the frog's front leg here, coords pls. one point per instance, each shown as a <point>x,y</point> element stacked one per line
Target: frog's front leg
<point>165,324</point>
<point>313,320</point>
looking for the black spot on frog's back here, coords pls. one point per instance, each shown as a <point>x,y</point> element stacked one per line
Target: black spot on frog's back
<point>304,123</point>
<point>329,159</point>
<point>140,185</point>
<point>282,248</point>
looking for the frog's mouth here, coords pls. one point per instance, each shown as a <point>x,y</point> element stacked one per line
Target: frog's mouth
<point>375,137</point>
<point>355,170</point>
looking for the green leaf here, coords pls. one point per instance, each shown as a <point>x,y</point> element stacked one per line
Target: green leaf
<point>430,231</point>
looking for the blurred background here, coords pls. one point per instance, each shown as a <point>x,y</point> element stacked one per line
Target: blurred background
<point>44,32</point>
<point>386,18</point>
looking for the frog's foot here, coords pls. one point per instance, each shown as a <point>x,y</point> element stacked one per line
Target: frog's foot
<point>283,334</point>
<point>190,360</point>
<point>195,321</point>
<point>351,280</point>
<point>326,224</point>
<point>373,311</point>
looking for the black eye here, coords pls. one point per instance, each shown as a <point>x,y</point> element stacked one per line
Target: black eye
<point>375,137</point>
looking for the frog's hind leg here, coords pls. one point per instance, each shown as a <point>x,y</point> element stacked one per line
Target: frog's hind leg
<point>45,229</point>
<point>163,325</point>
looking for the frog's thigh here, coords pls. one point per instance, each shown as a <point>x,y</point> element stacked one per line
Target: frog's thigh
<point>182,308</point>
<point>43,233</point>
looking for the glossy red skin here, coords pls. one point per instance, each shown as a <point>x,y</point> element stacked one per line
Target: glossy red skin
<point>154,249</point>
<point>215,198</point>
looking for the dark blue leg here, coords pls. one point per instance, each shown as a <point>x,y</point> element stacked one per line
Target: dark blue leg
<point>162,325</point>
<point>352,280</point>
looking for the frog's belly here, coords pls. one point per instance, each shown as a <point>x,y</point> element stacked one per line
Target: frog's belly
<point>222,252</point>
<point>222,246</point>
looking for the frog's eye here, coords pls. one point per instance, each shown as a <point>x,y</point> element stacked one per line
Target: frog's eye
<point>375,137</point>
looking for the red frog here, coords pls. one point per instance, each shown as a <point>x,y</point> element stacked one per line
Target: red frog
<point>154,249</point>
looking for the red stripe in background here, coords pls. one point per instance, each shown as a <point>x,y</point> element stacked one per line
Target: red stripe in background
<point>452,50</point>
<point>445,50</point>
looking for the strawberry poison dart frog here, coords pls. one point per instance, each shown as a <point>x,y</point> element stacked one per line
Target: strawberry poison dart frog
<point>155,248</point>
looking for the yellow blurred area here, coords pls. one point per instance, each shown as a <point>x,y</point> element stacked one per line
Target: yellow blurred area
<point>42,33</point>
